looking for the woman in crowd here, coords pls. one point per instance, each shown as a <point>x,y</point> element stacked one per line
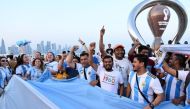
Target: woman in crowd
<point>5,72</point>
<point>36,70</point>
<point>51,64</point>
<point>22,65</point>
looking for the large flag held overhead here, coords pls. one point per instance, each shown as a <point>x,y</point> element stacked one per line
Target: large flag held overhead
<point>178,48</point>
<point>65,94</point>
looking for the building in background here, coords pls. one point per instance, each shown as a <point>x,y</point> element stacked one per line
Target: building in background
<point>2,48</point>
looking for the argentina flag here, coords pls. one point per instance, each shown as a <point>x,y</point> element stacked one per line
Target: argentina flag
<point>73,93</point>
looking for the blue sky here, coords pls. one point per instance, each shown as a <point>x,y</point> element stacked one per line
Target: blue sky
<point>64,21</point>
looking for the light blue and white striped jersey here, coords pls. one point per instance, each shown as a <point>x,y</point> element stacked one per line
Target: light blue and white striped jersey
<point>52,65</point>
<point>90,72</point>
<point>2,79</point>
<point>148,85</point>
<point>174,87</point>
<point>188,94</point>
<point>34,73</point>
<point>22,69</point>
<point>7,71</point>
<point>182,76</point>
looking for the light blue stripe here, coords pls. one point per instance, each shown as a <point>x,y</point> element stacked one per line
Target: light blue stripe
<point>1,79</point>
<point>188,91</point>
<point>177,89</point>
<point>146,87</point>
<point>168,88</point>
<point>131,76</point>
<point>136,91</point>
<point>92,75</point>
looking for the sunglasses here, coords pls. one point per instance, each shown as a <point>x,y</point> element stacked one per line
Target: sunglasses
<point>4,60</point>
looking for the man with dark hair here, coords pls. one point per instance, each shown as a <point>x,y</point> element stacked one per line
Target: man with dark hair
<point>175,87</point>
<point>180,74</point>
<point>145,51</point>
<point>143,84</point>
<point>120,62</point>
<point>83,54</point>
<point>86,72</point>
<point>109,77</point>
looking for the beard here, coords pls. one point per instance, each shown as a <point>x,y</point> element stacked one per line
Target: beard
<point>135,69</point>
<point>108,67</point>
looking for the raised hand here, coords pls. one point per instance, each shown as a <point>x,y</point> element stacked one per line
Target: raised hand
<point>137,43</point>
<point>74,48</point>
<point>81,41</point>
<point>102,31</point>
<point>92,46</point>
<point>159,58</point>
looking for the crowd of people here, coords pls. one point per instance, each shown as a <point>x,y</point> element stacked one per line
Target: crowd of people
<point>129,74</point>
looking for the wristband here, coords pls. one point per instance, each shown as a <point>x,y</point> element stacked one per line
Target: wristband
<point>151,105</point>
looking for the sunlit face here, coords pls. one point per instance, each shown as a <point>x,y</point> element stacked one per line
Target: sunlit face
<point>136,64</point>
<point>37,63</point>
<point>144,52</point>
<point>4,62</point>
<point>84,60</point>
<point>108,64</point>
<point>50,57</point>
<point>119,53</point>
<point>26,59</point>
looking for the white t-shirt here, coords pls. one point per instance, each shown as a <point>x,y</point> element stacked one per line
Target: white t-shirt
<point>148,85</point>
<point>109,80</point>
<point>124,66</point>
<point>90,73</point>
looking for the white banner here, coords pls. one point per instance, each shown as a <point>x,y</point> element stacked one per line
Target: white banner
<point>21,95</point>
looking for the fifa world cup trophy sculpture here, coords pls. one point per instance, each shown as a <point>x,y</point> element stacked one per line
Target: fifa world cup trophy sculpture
<point>158,19</point>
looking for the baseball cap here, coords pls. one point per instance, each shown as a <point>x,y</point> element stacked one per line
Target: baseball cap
<point>118,45</point>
